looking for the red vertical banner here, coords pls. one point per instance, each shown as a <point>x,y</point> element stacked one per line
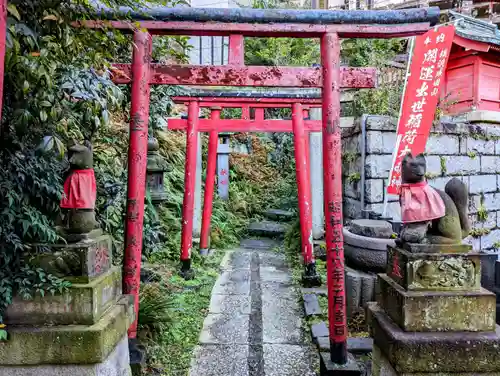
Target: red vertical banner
<point>421,96</point>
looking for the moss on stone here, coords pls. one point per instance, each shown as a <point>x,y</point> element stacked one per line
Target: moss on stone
<point>69,344</point>
<point>425,311</point>
<point>443,165</point>
<point>478,232</point>
<point>82,304</point>
<point>427,353</point>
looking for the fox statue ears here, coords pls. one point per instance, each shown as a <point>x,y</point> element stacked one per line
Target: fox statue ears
<point>409,157</point>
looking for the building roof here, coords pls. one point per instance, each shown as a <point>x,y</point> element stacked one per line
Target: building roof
<point>474,29</point>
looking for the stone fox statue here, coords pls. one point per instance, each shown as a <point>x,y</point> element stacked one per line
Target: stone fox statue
<point>429,215</point>
<point>79,194</point>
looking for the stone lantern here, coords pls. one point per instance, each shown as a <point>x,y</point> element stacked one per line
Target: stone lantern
<point>155,171</point>
<point>223,151</point>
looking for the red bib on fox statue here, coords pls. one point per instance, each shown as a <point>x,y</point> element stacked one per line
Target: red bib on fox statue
<point>79,190</point>
<point>420,203</point>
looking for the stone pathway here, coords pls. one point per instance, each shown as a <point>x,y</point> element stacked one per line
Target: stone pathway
<point>254,325</point>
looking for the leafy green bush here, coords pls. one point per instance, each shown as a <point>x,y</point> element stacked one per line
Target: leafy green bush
<point>155,304</point>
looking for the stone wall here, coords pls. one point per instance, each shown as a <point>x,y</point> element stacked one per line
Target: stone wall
<point>456,147</point>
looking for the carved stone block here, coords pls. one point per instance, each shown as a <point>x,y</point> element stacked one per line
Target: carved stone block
<point>76,262</point>
<point>82,304</point>
<point>434,271</point>
<point>68,344</point>
<point>432,311</point>
<point>439,353</point>
<point>437,248</point>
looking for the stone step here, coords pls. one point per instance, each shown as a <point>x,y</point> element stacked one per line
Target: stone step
<point>279,215</point>
<point>263,244</point>
<point>267,228</point>
<point>450,352</point>
<point>311,305</point>
<point>315,290</point>
<point>82,304</point>
<point>68,344</point>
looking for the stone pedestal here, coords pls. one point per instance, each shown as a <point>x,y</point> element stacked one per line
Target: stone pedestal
<point>431,305</point>
<point>82,332</point>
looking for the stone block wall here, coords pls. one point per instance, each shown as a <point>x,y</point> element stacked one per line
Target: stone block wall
<point>456,148</point>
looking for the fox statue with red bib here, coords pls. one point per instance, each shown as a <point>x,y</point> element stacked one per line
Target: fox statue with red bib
<point>79,196</point>
<point>430,215</point>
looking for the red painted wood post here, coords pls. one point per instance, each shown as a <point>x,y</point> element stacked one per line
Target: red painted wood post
<point>245,112</point>
<point>308,154</point>
<point>3,35</point>
<point>332,185</point>
<point>310,277</point>
<point>213,142</point>
<point>236,50</point>
<point>259,114</point>
<point>189,187</point>
<point>137,160</point>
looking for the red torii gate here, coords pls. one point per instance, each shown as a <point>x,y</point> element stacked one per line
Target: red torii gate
<point>329,26</point>
<point>216,100</point>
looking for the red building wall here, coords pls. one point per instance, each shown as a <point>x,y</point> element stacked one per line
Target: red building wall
<point>472,81</point>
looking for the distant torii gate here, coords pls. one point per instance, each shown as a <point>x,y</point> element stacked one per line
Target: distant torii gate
<point>329,26</point>
<point>216,100</point>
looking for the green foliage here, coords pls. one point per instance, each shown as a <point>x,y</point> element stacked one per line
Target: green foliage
<point>482,213</point>
<point>442,161</point>
<point>478,232</point>
<point>386,99</point>
<point>280,51</point>
<point>354,177</point>
<point>370,52</point>
<point>57,87</point>
<point>155,306</point>
<point>181,308</point>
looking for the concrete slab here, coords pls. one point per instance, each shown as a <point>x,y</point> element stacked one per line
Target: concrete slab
<point>237,259</point>
<point>273,259</point>
<point>311,305</point>
<point>225,329</point>
<point>272,274</point>
<point>319,330</point>
<point>116,364</point>
<point>220,360</point>
<point>281,315</point>
<point>233,282</point>
<point>230,304</point>
<point>289,360</point>
<point>315,290</point>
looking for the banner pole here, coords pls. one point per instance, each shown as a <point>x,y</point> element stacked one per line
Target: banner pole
<point>410,54</point>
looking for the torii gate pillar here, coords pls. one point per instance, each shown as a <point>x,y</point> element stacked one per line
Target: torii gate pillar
<point>316,178</point>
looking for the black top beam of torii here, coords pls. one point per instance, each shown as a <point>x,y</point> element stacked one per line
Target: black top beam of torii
<point>267,16</point>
